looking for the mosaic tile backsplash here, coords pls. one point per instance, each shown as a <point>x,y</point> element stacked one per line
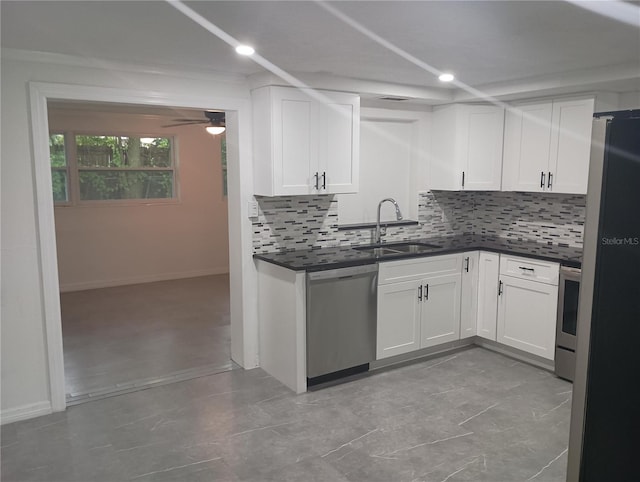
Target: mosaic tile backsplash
<point>304,222</point>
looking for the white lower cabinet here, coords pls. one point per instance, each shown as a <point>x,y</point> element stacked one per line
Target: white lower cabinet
<point>527,307</point>
<point>488,277</point>
<point>440,318</point>
<point>398,319</point>
<point>418,304</point>
<point>431,301</point>
<point>469,295</point>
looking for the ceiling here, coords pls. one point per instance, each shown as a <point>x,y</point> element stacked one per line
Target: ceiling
<point>493,45</point>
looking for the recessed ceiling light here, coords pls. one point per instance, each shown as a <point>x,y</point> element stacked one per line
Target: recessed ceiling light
<point>245,50</point>
<point>446,77</point>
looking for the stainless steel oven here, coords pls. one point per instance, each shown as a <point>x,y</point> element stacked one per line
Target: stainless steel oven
<point>567,323</point>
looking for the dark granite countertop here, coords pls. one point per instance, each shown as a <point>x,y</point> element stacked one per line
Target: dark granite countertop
<point>344,256</point>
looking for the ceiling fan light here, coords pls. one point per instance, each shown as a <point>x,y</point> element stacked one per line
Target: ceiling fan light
<point>215,130</point>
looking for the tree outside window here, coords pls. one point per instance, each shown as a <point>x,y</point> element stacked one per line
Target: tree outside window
<point>59,171</point>
<point>108,167</point>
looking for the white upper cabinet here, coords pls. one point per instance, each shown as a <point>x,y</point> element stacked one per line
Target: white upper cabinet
<point>466,151</point>
<point>547,146</point>
<point>305,145</point>
<point>571,145</point>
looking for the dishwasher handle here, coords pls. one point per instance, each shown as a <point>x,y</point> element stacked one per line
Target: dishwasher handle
<point>342,272</point>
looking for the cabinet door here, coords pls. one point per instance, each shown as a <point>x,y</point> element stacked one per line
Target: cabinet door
<point>527,139</point>
<point>483,155</point>
<point>571,146</point>
<point>445,161</point>
<point>469,295</point>
<point>338,162</point>
<point>295,141</point>
<point>489,273</point>
<point>398,319</point>
<point>440,317</point>
<point>527,316</point>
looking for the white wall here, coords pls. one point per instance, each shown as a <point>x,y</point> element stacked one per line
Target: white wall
<point>630,100</point>
<point>110,244</point>
<point>24,356</point>
<point>393,155</point>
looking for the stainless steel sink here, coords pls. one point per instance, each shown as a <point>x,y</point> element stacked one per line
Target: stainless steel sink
<point>412,247</point>
<point>378,251</point>
<point>397,248</point>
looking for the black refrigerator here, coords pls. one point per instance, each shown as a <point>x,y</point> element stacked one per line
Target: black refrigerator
<point>604,440</point>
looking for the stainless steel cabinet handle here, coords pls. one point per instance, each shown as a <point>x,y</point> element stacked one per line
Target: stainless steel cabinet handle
<point>317,184</point>
<point>426,292</point>
<point>550,181</point>
<point>542,180</point>
<point>526,269</point>
<point>463,179</point>
<point>500,289</point>
<point>324,180</point>
<point>466,265</point>
<point>420,293</point>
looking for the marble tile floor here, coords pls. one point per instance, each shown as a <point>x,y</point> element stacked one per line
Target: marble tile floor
<point>120,337</point>
<point>471,416</point>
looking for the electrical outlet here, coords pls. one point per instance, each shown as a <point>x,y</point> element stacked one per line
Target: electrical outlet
<point>253,209</point>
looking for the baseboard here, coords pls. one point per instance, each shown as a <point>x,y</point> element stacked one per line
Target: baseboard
<point>423,354</point>
<point>25,412</point>
<point>91,285</point>
<point>515,353</point>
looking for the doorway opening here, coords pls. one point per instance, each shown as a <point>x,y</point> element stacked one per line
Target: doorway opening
<point>141,225</point>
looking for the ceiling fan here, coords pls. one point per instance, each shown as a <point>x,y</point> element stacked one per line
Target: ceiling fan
<point>215,119</point>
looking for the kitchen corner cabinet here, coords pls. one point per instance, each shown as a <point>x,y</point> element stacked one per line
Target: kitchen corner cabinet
<point>418,304</point>
<point>466,151</point>
<point>469,294</point>
<point>547,146</point>
<point>527,304</point>
<point>303,144</point>
<point>488,278</point>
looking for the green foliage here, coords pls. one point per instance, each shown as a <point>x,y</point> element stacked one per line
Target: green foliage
<point>101,185</point>
<point>223,158</point>
<point>120,160</point>
<point>56,150</point>
<point>123,152</point>
<point>59,184</point>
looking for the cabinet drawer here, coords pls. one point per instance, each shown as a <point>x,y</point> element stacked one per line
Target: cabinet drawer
<point>531,269</point>
<point>419,268</point>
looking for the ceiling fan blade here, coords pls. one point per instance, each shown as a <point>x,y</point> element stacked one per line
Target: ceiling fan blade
<point>189,123</point>
<point>192,119</point>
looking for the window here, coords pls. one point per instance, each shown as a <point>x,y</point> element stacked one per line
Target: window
<point>223,162</point>
<point>111,167</point>
<point>59,170</point>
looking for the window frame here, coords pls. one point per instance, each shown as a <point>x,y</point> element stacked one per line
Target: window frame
<point>74,170</point>
<point>66,169</point>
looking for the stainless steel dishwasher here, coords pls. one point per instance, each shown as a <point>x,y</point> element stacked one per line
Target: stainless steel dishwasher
<point>341,322</point>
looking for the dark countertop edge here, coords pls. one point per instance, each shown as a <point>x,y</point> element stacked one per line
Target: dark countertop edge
<point>327,266</point>
<point>437,252</point>
<point>387,224</point>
